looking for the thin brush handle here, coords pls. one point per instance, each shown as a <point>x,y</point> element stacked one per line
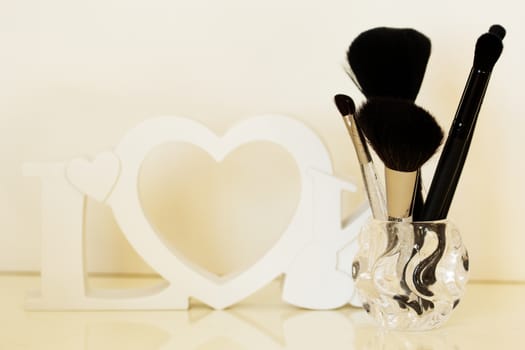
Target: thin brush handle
<point>454,154</point>
<point>418,199</point>
<point>447,202</point>
<point>374,191</point>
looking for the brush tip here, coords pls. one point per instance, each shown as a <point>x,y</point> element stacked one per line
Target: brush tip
<point>345,104</point>
<point>488,51</point>
<point>402,134</point>
<point>389,62</point>
<point>498,31</point>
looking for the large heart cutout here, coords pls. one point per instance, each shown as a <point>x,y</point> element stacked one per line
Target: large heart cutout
<point>210,211</point>
<point>185,277</point>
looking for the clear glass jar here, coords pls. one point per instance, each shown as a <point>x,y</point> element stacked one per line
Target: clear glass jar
<point>410,275</point>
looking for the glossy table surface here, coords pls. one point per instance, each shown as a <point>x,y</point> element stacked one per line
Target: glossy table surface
<point>491,316</point>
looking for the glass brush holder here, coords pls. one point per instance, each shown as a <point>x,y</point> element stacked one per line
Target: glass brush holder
<point>410,275</point>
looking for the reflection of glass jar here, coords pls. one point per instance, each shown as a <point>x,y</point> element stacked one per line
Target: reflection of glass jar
<point>410,275</point>
<point>394,340</point>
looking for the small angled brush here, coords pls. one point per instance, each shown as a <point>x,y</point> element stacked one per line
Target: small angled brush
<point>404,136</point>
<point>389,62</point>
<point>373,188</point>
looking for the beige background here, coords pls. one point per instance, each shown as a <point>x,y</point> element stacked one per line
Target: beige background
<point>76,75</point>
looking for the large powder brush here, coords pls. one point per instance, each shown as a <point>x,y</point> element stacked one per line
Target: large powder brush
<point>404,136</point>
<point>390,62</point>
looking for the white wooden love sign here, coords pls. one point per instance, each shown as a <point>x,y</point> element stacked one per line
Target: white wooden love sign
<point>314,252</point>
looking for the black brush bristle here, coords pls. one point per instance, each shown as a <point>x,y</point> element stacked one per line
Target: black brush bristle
<point>498,31</point>
<point>402,134</point>
<point>345,104</point>
<point>488,50</point>
<point>389,62</point>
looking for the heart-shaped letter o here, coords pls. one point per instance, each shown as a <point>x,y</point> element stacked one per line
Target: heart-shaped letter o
<point>186,279</point>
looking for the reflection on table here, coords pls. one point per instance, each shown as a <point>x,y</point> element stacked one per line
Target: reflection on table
<point>491,316</point>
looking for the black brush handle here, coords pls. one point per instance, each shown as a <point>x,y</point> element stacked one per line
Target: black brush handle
<point>455,150</point>
<point>447,202</point>
<point>418,201</point>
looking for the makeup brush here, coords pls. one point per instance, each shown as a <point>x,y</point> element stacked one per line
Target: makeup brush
<point>373,188</point>
<point>450,165</point>
<point>404,136</point>
<point>389,62</point>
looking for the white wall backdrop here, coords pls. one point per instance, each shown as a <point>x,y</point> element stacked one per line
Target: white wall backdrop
<point>76,75</point>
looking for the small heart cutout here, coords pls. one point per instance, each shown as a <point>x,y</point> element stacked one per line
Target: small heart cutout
<point>95,178</point>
